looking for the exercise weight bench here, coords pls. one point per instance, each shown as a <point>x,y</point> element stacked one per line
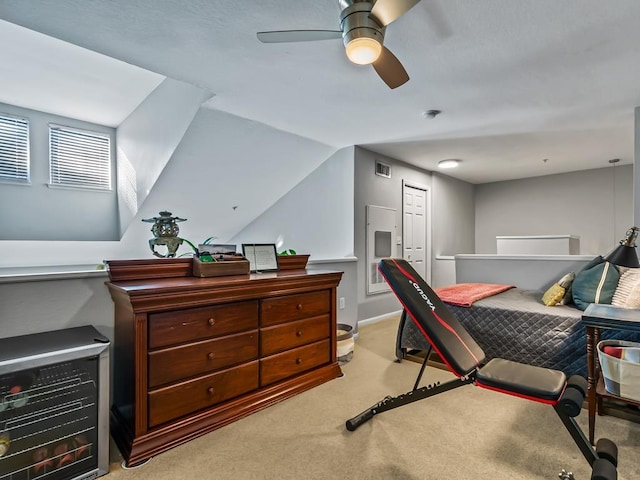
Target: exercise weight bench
<point>465,358</point>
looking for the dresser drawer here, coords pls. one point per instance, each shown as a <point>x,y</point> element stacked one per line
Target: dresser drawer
<point>294,307</point>
<point>193,359</point>
<point>169,328</point>
<point>293,334</point>
<point>188,397</point>
<point>292,362</point>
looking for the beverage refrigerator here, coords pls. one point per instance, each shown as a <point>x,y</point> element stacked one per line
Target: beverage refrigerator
<point>54,414</point>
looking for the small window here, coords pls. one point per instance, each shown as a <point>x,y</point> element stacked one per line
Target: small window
<point>78,158</point>
<point>14,149</point>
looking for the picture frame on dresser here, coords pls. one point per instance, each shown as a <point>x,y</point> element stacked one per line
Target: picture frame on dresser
<point>262,256</point>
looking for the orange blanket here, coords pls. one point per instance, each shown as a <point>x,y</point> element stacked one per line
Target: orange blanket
<point>464,294</point>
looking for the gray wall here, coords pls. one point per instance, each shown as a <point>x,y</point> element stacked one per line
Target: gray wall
<point>37,212</point>
<point>578,203</point>
<point>530,272</point>
<point>371,189</point>
<point>51,304</point>
<point>453,225</point>
<point>636,171</point>
<point>40,306</point>
<point>346,289</point>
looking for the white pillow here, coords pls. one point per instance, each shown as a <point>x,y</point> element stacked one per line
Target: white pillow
<point>627,293</point>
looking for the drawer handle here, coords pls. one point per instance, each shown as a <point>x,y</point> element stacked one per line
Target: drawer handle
<point>210,390</point>
<point>299,306</point>
<point>212,322</point>
<point>211,356</point>
<point>298,361</point>
<point>299,333</point>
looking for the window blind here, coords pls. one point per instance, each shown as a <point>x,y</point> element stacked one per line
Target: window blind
<point>14,149</point>
<point>79,158</point>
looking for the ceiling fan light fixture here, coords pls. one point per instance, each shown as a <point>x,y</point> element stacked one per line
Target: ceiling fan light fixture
<point>449,163</point>
<point>363,50</point>
<point>362,26</point>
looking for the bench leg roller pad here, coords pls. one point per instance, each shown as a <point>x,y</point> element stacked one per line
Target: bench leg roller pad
<point>605,448</point>
<point>603,470</point>
<point>571,401</point>
<point>578,382</point>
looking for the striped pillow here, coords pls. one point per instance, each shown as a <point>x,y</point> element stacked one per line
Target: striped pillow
<point>595,285</point>
<point>627,292</point>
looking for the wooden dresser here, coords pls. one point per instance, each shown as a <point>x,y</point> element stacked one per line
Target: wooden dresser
<point>193,354</point>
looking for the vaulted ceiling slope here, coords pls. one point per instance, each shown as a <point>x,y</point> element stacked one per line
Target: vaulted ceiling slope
<point>525,87</point>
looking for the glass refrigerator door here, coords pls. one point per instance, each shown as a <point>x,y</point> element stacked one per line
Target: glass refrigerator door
<point>48,421</point>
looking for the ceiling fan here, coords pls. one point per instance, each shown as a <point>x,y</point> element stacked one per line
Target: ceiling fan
<point>362,27</point>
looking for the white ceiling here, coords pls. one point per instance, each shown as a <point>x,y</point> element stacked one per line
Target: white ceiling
<point>518,81</point>
<point>47,74</point>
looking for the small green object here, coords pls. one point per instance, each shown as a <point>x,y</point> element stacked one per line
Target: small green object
<point>288,252</point>
<point>205,257</point>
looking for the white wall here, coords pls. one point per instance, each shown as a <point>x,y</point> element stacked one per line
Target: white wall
<point>315,217</point>
<point>147,138</point>
<point>228,171</point>
<point>577,203</point>
<point>220,161</point>
<point>37,212</point>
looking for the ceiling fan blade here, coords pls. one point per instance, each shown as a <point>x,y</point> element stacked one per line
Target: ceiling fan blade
<point>298,35</point>
<point>390,69</point>
<point>386,11</point>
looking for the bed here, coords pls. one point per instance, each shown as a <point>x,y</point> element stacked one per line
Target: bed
<point>516,325</point>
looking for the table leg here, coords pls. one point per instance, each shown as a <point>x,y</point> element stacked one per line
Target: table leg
<point>596,369</point>
<point>591,381</point>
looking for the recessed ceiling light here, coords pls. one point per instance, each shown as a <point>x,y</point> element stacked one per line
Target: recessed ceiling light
<point>449,163</point>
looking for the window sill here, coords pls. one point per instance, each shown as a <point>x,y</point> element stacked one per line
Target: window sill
<point>17,183</point>
<point>83,189</point>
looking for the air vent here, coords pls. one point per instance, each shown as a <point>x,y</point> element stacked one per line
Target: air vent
<point>383,169</point>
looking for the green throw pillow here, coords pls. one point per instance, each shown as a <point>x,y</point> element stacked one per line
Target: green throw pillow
<point>595,284</point>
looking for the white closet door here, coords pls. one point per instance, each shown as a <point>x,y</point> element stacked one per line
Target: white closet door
<point>414,228</point>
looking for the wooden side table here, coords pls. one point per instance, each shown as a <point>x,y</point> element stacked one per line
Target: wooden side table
<point>595,318</point>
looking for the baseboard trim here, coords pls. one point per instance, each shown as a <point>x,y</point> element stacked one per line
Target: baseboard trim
<point>379,318</point>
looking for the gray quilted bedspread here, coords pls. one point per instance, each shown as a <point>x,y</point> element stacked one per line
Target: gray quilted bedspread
<point>516,325</point>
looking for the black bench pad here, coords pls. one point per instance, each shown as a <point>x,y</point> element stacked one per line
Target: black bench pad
<point>534,383</point>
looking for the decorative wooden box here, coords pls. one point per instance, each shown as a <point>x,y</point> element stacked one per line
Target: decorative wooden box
<point>292,262</point>
<point>221,268</point>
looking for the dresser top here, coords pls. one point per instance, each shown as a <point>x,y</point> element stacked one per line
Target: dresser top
<point>148,284</point>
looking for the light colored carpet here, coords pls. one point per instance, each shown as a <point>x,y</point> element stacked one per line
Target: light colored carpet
<point>468,433</point>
